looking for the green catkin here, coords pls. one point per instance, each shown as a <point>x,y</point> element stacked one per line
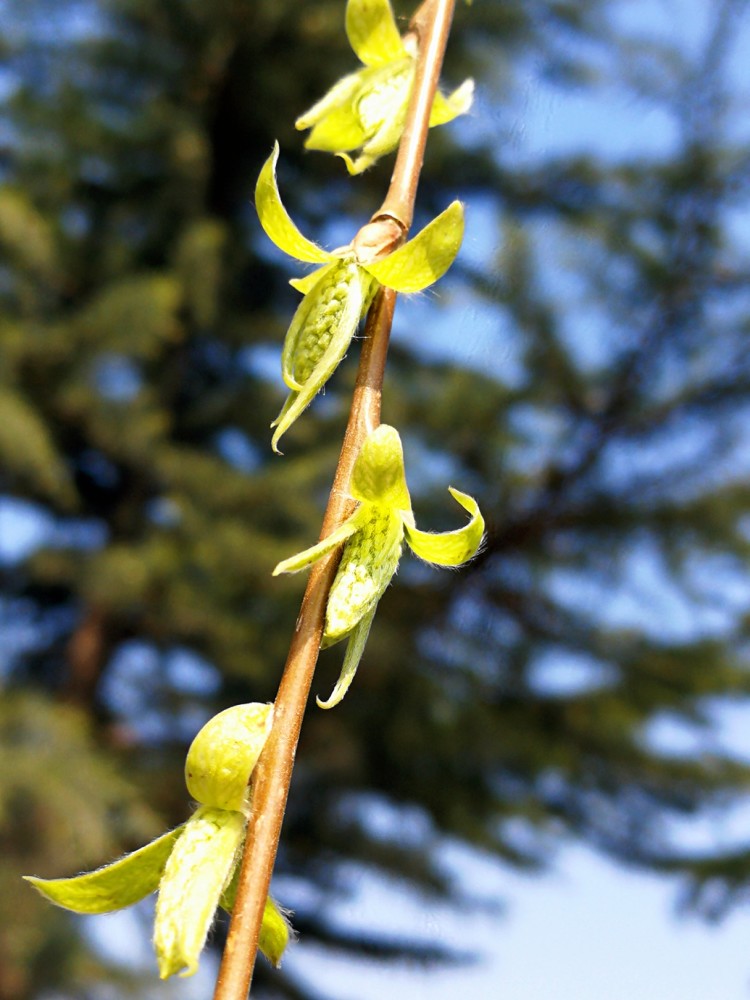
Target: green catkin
<point>198,869</point>
<point>375,104</point>
<point>373,537</point>
<point>368,562</point>
<point>320,324</point>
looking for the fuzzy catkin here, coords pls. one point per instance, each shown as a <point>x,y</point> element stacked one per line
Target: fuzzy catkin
<point>320,324</point>
<point>389,88</point>
<point>197,871</point>
<point>368,562</point>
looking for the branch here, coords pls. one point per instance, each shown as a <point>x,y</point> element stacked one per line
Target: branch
<point>272,775</point>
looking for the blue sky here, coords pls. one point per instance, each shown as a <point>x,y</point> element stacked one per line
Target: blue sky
<point>587,930</point>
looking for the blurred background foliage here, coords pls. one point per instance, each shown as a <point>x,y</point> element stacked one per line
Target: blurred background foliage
<point>584,370</point>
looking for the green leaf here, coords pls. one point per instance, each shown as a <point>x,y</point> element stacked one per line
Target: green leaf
<point>28,452</point>
<point>354,650</point>
<point>341,94</point>
<point>198,869</point>
<point>115,886</point>
<point>445,109</point>
<point>378,475</point>
<point>449,548</point>
<point>309,556</point>
<point>26,236</point>
<point>309,281</point>
<point>372,32</point>
<point>340,128</point>
<point>275,220</point>
<point>427,257</point>
<point>275,930</point>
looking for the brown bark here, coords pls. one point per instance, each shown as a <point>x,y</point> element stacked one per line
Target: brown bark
<point>86,655</point>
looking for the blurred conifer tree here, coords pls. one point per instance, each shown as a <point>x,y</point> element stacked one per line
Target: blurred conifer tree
<point>596,409</point>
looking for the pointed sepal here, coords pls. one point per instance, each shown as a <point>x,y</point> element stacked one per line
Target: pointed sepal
<point>275,932</point>
<point>449,548</point>
<point>339,129</point>
<point>372,32</point>
<point>354,650</point>
<point>115,886</point>
<point>445,109</point>
<point>338,100</point>
<point>275,219</point>
<point>309,281</point>
<point>424,259</point>
<point>309,556</point>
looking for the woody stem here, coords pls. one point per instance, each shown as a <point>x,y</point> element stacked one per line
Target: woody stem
<point>272,776</point>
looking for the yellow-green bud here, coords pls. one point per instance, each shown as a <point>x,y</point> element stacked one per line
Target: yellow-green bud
<point>222,756</point>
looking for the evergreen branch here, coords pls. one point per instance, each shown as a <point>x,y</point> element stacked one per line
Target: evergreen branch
<point>430,28</point>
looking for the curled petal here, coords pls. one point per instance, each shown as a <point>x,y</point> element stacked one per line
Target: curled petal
<point>276,221</point>
<point>368,114</point>
<point>372,32</point>
<point>114,886</point>
<point>383,97</point>
<point>449,548</point>
<point>381,109</point>
<point>366,111</point>
<point>198,869</point>
<point>445,109</point>
<point>354,650</point>
<point>309,556</point>
<point>427,257</point>
<point>357,166</point>
<point>378,475</point>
